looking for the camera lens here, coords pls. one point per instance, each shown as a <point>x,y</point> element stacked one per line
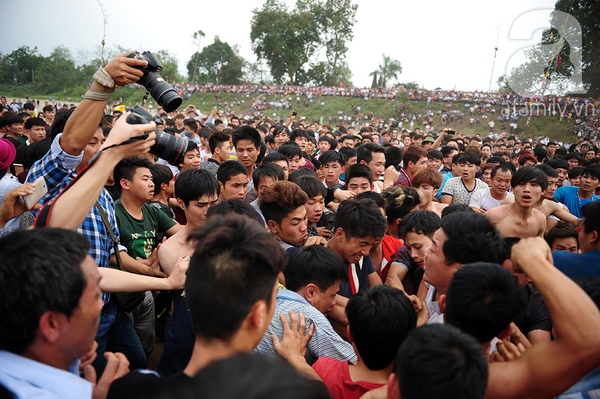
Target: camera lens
<point>161,91</point>
<point>167,147</point>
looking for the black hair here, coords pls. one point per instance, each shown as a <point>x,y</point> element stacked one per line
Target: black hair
<point>393,156</point>
<point>382,312</point>
<point>228,169</point>
<point>592,170</point>
<point>273,157</point>
<point>400,201</point>
<point>471,238</point>
<point>312,186</point>
<point>591,217</point>
<point>575,172</point>
<point>469,157</point>
<point>377,198</point>
<point>348,152</point>
<point>448,149</point>
<point>365,152</point>
<point>558,163</point>
<point>494,159</point>
<point>561,230</point>
<point>58,125</point>
<point>440,361</point>
<point>267,170</point>
<point>160,174</point>
<point>483,299</point>
<point>435,154</point>
<point>245,132</point>
<point>10,118</point>
<point>419,222</point>
<point>39,272</point>
<point>540,153</point>
<point>507,167</point>
<point>360,218</point>
<point>235,206</point>
<point>126,169</point>
<point>333,156</point>
<point>31,122</point>
<point>35,151</point>
<point>454,208</point>
<point>255,376</point>
<point>192,184</point>
<point>216,140</point>
<point>358,170</point>
<point>290,149</point>
<point>302,172</point>
<point>29,105</point>
<point>235,264</point>
<point>548,170</point>
<point>529,174</point>
<point>314,264</point>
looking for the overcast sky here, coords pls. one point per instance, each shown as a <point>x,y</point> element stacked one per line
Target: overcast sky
<point>443,44</point>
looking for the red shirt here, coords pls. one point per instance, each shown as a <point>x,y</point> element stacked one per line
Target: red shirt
<point>336,377</point>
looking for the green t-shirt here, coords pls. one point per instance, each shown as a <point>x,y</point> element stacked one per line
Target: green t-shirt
<point>140,237</point>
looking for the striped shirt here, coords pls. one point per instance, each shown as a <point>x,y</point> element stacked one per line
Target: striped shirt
<point>324,342</point>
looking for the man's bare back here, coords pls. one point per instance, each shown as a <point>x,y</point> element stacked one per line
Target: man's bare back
<point>175,247</point>
<point>514,222</point>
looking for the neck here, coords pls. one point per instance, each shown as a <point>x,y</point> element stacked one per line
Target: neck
<point>46,354</point>
<point>132,205</point>
<point>206,352</point>
<point>520,211</point>
<point>584,194</point>
<point>162,198</point>
<point>497,196</point>
<point>250,171</point>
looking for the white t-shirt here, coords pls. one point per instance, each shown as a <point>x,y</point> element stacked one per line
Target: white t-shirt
<point>482,199</point>
<point>459,193</point>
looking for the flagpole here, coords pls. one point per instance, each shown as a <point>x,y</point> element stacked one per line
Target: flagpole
<point>494,62</point>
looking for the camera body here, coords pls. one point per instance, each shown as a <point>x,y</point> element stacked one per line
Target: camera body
<point>158,88</point>
<point>167,147</point>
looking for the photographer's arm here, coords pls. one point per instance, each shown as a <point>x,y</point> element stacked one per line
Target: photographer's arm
<point>114,280</point>
<point>86,190</point>
<point>438,142</point>
<point>82,125</point>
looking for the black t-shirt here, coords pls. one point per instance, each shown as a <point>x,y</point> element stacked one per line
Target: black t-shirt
<point>536,315</point>
<point>144,384</point>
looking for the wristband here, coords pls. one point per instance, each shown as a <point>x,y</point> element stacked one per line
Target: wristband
<point>103,78</point>
<point>99,95</point>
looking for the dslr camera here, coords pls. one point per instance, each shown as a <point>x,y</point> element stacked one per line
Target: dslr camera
<point>158,88</point>
<point>167,147</point>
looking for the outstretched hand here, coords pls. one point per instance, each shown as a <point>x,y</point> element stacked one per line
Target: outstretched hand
<point>295,337</point>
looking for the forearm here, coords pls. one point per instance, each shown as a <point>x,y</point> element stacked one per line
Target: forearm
<point>131,265</point>
<point>395,276</point>
<point>82,125</point>
<point>84,193</point>
<point>114,280</point>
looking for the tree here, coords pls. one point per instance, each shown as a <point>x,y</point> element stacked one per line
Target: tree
<point>170,65</point>
<point>218,63</point>
<point>197,36</point>
<point>21,65</point>
<point>586,13</point>
<point>284,39</point>
<point>388,70</point>
<point>336,19</point>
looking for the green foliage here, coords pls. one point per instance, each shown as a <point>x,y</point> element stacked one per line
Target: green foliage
<point>217,63</point>
<point>284,39</point>
<point>387,70</point>
<point>409,85</point>
<point>170,65</point>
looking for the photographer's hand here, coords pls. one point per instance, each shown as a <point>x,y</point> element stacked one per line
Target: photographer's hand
<point>125,70</point>
<point>123,131</point>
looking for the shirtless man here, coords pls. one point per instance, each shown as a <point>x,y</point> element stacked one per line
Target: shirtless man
<point>553,210</point>
<point>521,219</point>
<point>196,190</point>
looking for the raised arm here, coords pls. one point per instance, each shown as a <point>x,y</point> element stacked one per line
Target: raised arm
<point>549,368</point>
<point>82,125</point>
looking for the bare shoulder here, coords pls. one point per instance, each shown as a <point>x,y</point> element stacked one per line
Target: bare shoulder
<point>497,213</point>
<point>508,200</point>
<point>171,250</point>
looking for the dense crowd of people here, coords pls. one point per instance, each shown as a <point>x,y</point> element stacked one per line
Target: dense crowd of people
<point>293,258</point>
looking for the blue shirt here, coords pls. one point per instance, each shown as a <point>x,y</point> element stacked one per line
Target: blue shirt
<point>358,275</point>
<point>570,197</point>
<point>324,342</point>
<point>26,378</point>
<point>578,265</point>
<point>58,168</point>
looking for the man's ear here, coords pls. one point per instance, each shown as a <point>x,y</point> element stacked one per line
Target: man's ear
<point>273,227</point>
<point>180,203</point>
<point>124,184</point>
<point>310,290</point>
<point>393,387</point>
<point>338,234</point>
<point>221,186</point>
<point>435,191</point>
<point>257,317</point>
<point>362,162</point>
<point>594,237</point>
<point>49,325</point>
<point>442,303</point>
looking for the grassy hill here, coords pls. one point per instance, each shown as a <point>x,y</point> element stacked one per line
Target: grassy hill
<point>325,109</point>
